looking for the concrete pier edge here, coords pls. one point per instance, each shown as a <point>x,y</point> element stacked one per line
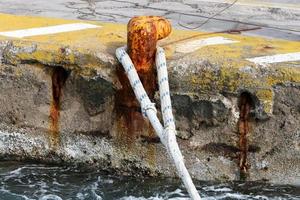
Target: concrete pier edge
<point>210,74</point>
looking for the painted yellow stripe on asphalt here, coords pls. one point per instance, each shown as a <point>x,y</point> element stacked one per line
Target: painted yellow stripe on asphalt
<point>15,22</point>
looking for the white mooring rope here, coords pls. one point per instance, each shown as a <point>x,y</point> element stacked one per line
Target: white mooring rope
<point>167,134</point>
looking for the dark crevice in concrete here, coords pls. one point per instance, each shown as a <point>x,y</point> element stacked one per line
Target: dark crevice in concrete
<point>246,104</point>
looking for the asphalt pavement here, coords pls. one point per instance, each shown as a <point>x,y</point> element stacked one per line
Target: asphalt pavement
<point>271,18</point>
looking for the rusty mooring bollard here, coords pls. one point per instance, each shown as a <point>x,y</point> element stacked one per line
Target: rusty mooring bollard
<point>143,32</point>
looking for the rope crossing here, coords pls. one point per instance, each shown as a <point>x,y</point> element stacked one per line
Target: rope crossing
<point>167,134</point>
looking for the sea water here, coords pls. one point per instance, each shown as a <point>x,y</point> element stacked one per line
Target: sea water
<point>24,181</point>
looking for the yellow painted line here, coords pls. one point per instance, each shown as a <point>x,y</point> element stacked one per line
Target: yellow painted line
<point>48,30</point>
<point>15,22</point>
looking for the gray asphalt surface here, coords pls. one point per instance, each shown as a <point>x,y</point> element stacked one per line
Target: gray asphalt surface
<point>278,20</point>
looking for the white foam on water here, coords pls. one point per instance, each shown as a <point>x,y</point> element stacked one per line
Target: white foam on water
<point>260,197</point>
<point>96,196</point>
<point>163,196</point>
<point>80,196</point>
<point>217,189</point>
<point>57,183</point>
<point>11,194</point>
<point>236,196</point>
<point>13,174</point>
<point>50,197</point>
<point>140,198</point>
<point>94,188</point>
<point>153,198</point>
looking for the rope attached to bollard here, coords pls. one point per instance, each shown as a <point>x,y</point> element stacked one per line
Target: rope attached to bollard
<point>167,134</point>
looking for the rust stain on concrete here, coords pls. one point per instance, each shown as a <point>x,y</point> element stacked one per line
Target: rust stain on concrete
<point>245,106</point>
<point>59,77</point>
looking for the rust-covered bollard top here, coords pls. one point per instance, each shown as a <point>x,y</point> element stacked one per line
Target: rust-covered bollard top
<point>143,34</point>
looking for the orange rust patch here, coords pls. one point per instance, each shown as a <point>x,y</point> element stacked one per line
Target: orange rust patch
<point>59,77</point>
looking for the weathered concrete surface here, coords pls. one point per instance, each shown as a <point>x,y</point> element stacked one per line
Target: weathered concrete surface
<point>206,86</point>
